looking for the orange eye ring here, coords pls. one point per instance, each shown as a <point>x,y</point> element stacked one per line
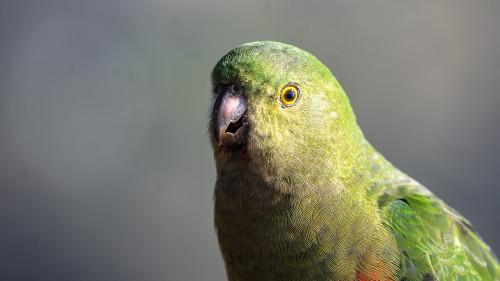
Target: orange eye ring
<point>290,94</point>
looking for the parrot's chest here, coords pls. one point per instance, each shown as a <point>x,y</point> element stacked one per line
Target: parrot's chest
<point>275,236</point>
<point>267,243</point>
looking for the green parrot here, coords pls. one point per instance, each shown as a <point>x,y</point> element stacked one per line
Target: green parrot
<point>301,195</point>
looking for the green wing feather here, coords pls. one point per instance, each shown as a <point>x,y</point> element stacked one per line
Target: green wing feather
<point>435,241</point>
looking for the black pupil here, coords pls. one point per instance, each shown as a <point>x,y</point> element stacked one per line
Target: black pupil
<point>290,95</point>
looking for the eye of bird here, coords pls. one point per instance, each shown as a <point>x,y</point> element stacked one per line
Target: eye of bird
<point>289,94</point>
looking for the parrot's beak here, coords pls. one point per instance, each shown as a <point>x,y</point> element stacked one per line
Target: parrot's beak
<point>229,117</point>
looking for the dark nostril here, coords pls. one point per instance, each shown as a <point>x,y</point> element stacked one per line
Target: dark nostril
<point>235,88</point>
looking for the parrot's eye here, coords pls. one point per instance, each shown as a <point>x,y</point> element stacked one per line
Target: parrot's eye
<point>289,94</point>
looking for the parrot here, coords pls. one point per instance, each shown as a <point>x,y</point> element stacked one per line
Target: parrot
<point>300,194</point>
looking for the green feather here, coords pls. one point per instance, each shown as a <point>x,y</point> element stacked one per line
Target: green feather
<point>435,238</point>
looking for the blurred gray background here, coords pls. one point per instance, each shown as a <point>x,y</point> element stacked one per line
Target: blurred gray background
<point>106,172</point>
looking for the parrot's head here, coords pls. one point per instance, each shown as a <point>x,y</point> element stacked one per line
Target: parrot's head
<point>277,105</point>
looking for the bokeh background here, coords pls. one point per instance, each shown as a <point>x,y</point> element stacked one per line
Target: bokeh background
<point>106,172</point>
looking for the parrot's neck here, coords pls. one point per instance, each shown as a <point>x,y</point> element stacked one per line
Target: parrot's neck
<point>277,228</point>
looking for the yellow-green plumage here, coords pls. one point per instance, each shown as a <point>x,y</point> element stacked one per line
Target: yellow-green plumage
<point>301,195</point>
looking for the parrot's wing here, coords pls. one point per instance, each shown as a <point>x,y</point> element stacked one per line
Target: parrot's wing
<point>433,239</point>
